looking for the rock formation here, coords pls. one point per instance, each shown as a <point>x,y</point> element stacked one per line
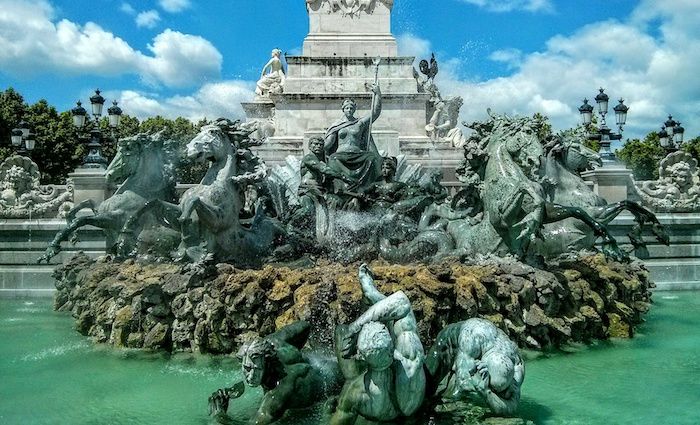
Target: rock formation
<point>163,306</point>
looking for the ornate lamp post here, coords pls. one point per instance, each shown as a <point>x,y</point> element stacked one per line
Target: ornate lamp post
<point>94,158</point>
<point>603,133</point>
<point>23,139</point>
<point>671,135</point>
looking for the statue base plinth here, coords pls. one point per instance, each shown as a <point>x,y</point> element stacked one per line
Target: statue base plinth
<point>89,183</point>
<point>611,182</point>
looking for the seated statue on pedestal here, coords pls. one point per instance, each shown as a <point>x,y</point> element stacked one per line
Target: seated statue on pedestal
<point>316,187</point>
<point>351,149</point>
<point>386,191</point>
<point>273,81</point>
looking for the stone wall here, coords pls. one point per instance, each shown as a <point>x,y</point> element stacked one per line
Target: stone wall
<point>22,242</point>
<point>673,267</point>
<point>163,307</point>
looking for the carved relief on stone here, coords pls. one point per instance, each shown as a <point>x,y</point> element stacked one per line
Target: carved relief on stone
<point>348,7</point>
<point>678,187</point>
<point>21,195</point>
<point>261,128</point>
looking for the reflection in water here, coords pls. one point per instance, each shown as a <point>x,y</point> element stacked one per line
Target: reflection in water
<point>51,374</point>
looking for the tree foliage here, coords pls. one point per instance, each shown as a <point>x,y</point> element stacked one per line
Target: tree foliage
<point>59,149</point>
<point>692,146</point>
<point>643,156</point>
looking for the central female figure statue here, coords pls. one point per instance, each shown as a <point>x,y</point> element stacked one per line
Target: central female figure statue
<point>351,150</point>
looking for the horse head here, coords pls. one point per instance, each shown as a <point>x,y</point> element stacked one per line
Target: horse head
<point>210,144</point>
<point>520,136</point>
<point>577,157</point>
<point>127,159</point>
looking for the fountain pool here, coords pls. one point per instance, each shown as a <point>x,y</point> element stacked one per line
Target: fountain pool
<point>49,374</point>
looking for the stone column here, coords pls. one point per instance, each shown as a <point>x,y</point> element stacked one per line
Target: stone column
<point>358,32</point>
<point>611,182</point>
<point>90,183</point>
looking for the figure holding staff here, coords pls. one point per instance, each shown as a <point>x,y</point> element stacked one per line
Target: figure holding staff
<point>349,144</point>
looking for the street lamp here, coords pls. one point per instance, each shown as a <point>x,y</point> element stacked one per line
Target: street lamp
<point>671,135</point>
<point>23,139</point>
<point>603,133</point>
<point>94,158</point>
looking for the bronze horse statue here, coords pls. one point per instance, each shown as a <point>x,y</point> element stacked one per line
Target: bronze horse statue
<point>145,173</point>
<point>513,190</point>
<point>207,216</point>
<point>565,159</point>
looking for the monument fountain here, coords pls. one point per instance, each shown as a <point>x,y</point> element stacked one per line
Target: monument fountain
<point>503,256</point>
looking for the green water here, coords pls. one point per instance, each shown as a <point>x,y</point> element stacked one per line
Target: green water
<point>49,374</point>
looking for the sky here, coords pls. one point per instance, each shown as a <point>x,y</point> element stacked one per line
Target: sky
<point>197,58</point>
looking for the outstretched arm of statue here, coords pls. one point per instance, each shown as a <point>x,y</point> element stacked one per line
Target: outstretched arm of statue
<point>409,358</point>
<point>295,334</point>
<point>377,103</point>
<point>394,307</point>
<point>368,289</point>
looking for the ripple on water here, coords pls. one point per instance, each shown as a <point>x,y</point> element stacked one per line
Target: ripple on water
<point>209,374</point>
<point>55,351</point>
<point>29,310</point>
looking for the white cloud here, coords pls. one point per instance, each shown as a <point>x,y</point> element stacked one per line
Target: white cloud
<point>411,45</point>
<point>511,57</point>
<point>148,19</point>
<point>127,8</point>
<point>181,58</point>
<point>32,42</point>
<point>511,5</point>
<point>174,6</point>
<point>650,60</point>
<point>212,100</point>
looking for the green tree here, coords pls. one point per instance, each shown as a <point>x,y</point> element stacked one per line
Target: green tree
<point>12,109</point>
<point>643,156</point>
<point>692,146</point>
<point>180,131</point>
<point>58,151</point>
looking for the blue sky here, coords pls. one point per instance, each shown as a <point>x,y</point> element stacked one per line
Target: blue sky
<point>200,58</point>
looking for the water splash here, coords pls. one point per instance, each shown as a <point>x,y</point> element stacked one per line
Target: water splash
<point>55,351</point>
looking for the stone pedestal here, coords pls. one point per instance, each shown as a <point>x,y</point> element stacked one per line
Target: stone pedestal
<point>336,63</point>
<point>611,182</point>
<point>89,183</point>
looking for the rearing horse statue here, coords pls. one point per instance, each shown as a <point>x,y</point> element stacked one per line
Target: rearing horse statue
<point>565,159</point>
<point>513,191</point>
<point>142,168</point>
<point>207,215</point>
